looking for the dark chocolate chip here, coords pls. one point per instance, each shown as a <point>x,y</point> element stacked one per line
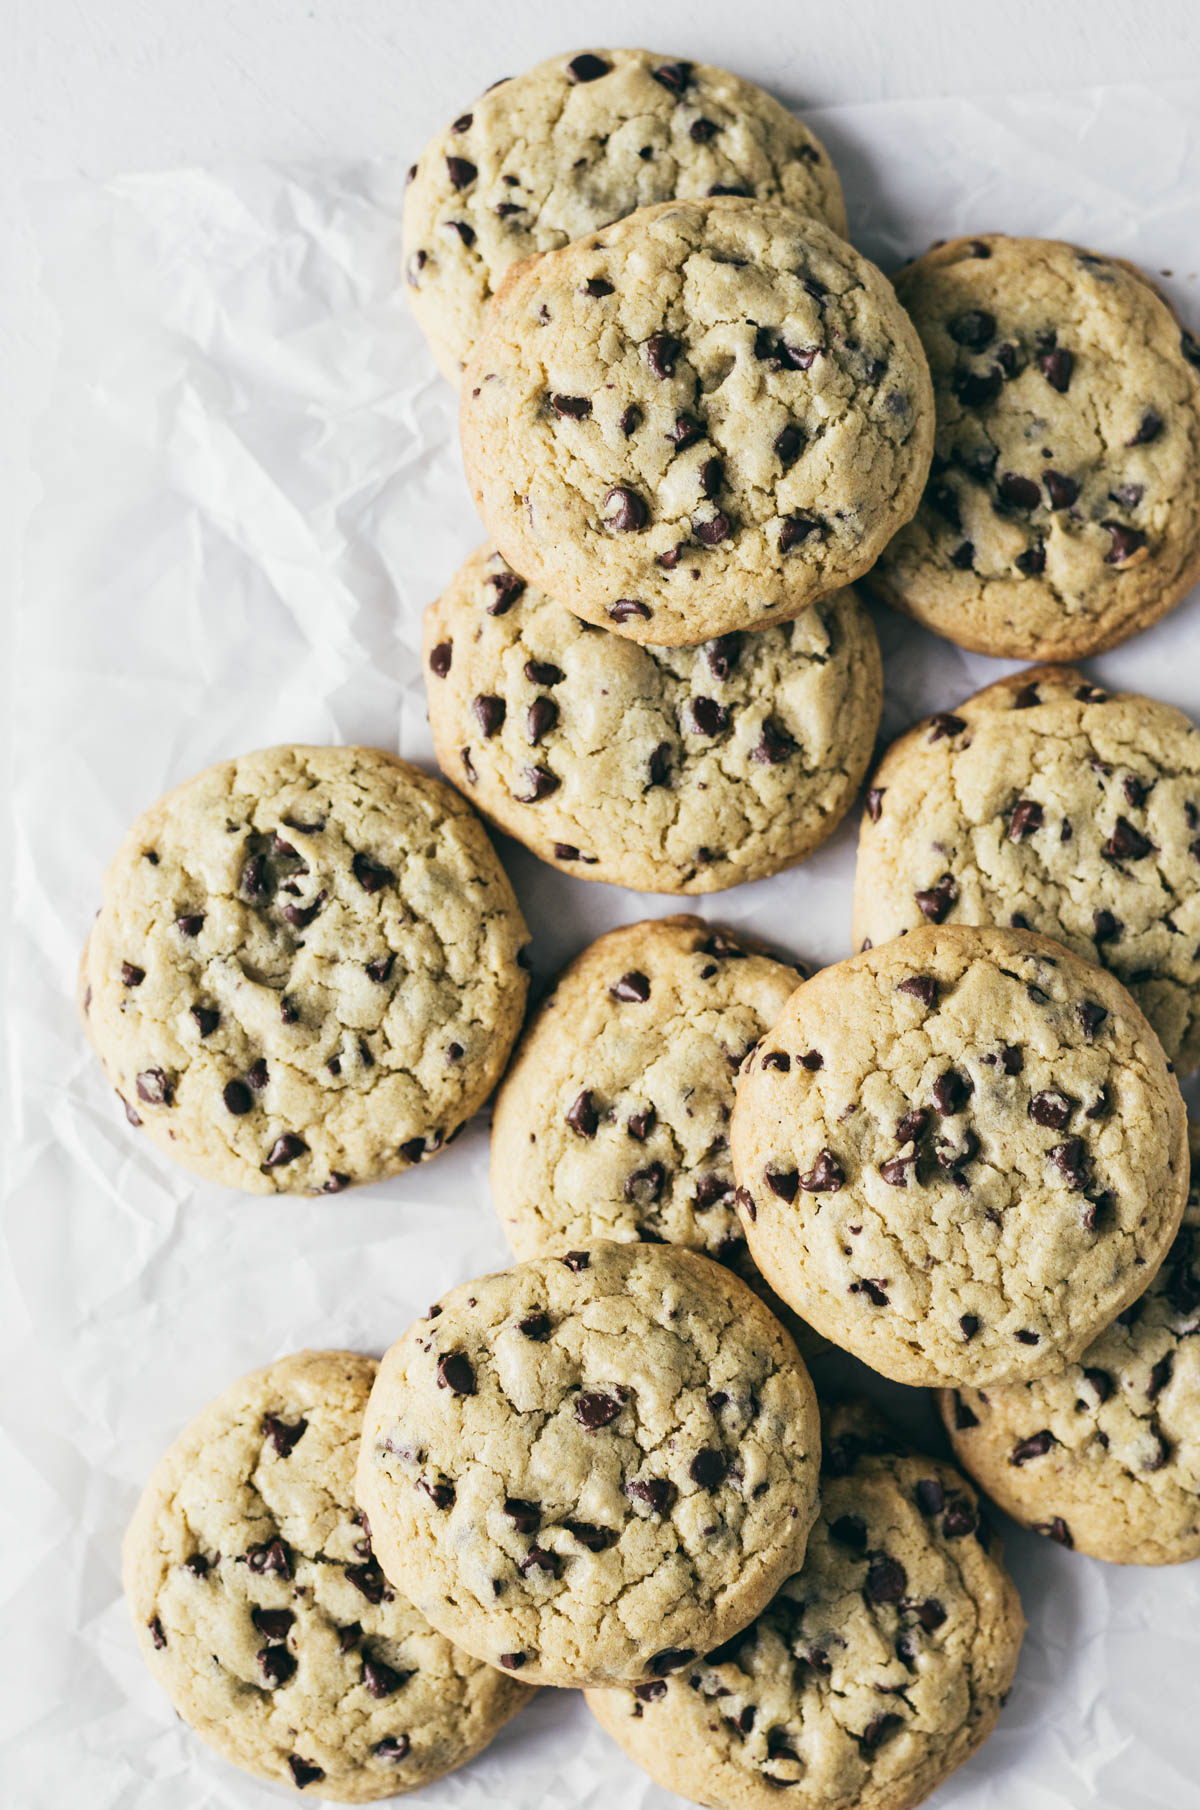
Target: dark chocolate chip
<point>132,976</point>
<point>512,1662</point>
<point>654,1492</point>
<point>964,1417</point>
<point>154,1087</point>
<point>285,1150</point>
<point>271,1559</point>
<point>707,716</point>
<point>1032,561</point>
<point>708,1468</point>
<point>1018,492</point>
<point>825,1177</point>
<point>1036,1446</point>
<point>661,352</point>
<point>625,609</point>
<point>849,1530</point>
<point>283,1437</point>
<point>783,1182</point>
<point>508,588</point>
<point>1027,817</point>
<point>1062,491</point>
<point>935,901</point>
<point>922,986</point>
<point>873,1287</point>
<point>1091,1017</point>
<point>895,1171</point>
<point>1105,927</point>
<point>392,1749</point>
<point>304,1772</point>
<point>1149,428</point>
<point>887,1579</point>
<point>576,408</point>
<point>206,1019</point>
<point>711,532</point>
<point>576,1261</point>
<point>1126,543</point>
<point>722,654</point>
<point>272,1624</point>
<point>540,719</point>
<point>440,1494</point>
<point>383,1680</point>
<point>372,876</point>
<point>788,445</point>
<point>798,528</point>
<point>595,1539</point>
<point>1127,843</point>
<point>930,1496</point>
<point>646,1185</point>
<point>912,1126</point>
<point>974,388</point>
<point>975,329</point>
<point>1056,364</point>
<point>777,1059</point>
<point>950,1092</point>
<point>587,68</point>
<point>276,1665</point>
<point>461,173</point>
<point>875,802</point>
<point>944,724</point>
<point>539,784</point>
<point>583,1116</point>
<point>774,745</point>
<point>454,1372</point>
<point>669,1660</point>
<point>1052,1109</point>
<point>595,1409</point>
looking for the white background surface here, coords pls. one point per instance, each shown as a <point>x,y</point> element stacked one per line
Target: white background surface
<point>251,488</point>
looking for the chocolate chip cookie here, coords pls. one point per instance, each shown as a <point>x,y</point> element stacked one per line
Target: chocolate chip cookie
<point>261,1609</point>
<point>1062,513</point>
<point>871,1675</point>
<point>305,972</point>
<point>700,419</point>
<point>1105,1456</point>
<point>665,769</point>
<point>961,1155</point>
<point>592,1467</point>
<point>1048,804</point>
<point>574,143</point>
<point>613,1118</point>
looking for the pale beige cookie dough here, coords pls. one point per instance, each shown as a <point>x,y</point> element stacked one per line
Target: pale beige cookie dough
<point>577,141</point>
<point>1105,1456</point>
<point>589,1468</point>
<point>681,770</point>
<point>1048,804</point>
<point>875,1671</point>
<point>961,1155</point>
<point>306,969</point>
<point>261,1609</point>
<point>700,419</point>
<point>1062,513</point>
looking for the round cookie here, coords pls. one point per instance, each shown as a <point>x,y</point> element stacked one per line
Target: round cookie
<point>1062,513</point>
<point>874,1672</point>
<point>1048,804</point>
<point>574,143</point>
<point>960,1155</point>
<point>589,1468</point>
<point>702,418</point>
<point>1105,1456</point>
<point>305,972</point>
<point>262,1612</point>
<point>664,769</point>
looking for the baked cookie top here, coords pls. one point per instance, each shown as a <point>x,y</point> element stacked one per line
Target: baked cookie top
<point>574,143</point>
<point>613,1118</point>
<point>1105,1455</point>
<point>1048,804</point>
<point>699,419</point>
<point>665,769</point>
<point>261,1609</point>
<point>305,970</point>
<point>870,1676</point>
<point>1062,512</point>
<point>962,1155</point>
<point>589,1468</point>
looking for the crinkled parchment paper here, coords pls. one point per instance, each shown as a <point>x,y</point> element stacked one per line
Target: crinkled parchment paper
<point>251,487</point>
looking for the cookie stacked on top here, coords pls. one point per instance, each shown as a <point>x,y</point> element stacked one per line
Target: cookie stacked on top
<point>693,417</point>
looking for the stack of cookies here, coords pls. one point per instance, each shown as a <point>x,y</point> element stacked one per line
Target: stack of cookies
<point>693,418</point>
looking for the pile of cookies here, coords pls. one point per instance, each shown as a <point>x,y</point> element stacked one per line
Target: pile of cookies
<point>693,417</point>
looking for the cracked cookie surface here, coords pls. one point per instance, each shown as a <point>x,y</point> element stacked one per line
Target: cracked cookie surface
<point>305,971</point>
<point>1105,1455</point>
<point>665,769</point>
<point>574,143</point>
<point>587,1469</point>
<point>873,1673</point>
<point>613,1119</point>
<point>972,1159</point>
<point>261,1609</point>
<point>700,419</point>
<point>1062,513</point>
<point>1048,804</point>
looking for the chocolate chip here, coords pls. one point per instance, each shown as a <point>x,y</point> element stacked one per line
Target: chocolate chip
<point>1071,1160</point>
<point>626,608</point>
<point>512,1662</point>
<point>132,976</point>
<point>1032,561</point>
<point>285,1150</point>
<point>372,876</point>
<point>848,1530</point>
<point>1036,1446</point>
<point>646,1185</point>
<point>669,1660</point>
<point>1160,1376</point>
<point>950,1092</point>
<point>922,986</point>
<point>301,916</point>
<point>873,1288</point>
<point>812,1060</point>
<point>1101,1382</point>
<point>777,1059</point>
<point>461,173</point>
<point>708,1468</point>
<point>975,329</point>
<point>540,719</point>
<point>276,1665</point>
<point>1056,364</point>
<point>508,588</point>
<point>825,1177</point>
<point>599,286</point>
<point>595,1539</point>
<point>154,1087</point>
<point>489,712</point>
<point>206,1019</point>
<point>1056,1530</point>
<point>798,528</point>
<point>156,1633</point>
<point>944,724</point>
<point>912,1126</point>
<point>930,1496</point>
<point>576,408</point>
<point>583,1116</point>
<point>887,1579</point>
<point>383,1680</point>
<point>594,1409</point>
<point>392,1749</point>
<point>1127,843</point>
<point>1018,492</point>
<point>654,1492</point>
<point>466,233</point>
<point>1026,698</point>
<point>711,532</point>
<point>272,1559</point>
<point>304,1772</point>
<point>587,68</point>
<point>1126,543</point>
<point>963,556</point>
<point>935,901</point>
<point>774,746</point>
<point>959,1519</point>
<point>788,445</point>
<point>539,1559</point>
<point>440,659</point>
<point>783,1182</point>
<point>943,499</point>
<point>875,802</point>
<point>1062,491</point>
<point>454,1372</point>
<point>895,1171</point>
<point>1150,428</point>
<point>708,717</point>
<point>1025,1337</point>
<point>539,784</point>
<point>576,1261</point>
<point>964,1417</point>
<point>1052,1109</point>
<point>1091,1017</point>
<point>272,1624</point>
<point>974,388</point>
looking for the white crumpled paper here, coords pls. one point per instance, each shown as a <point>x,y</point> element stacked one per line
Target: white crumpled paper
<point>251,487</point>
